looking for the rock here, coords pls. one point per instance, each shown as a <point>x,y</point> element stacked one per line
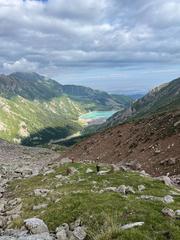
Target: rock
<point>36,226</point>
<point>15,210</point>
<point>167,180</point>
<point>2,207</point>
<point>79,233</point>
<point>40,206</point>
<point>169,162</point>
<point>89,170</point>
<point>141,188</point>
<point>41,192</point>
<point>101,173</point>
<point>62,232</point>
<point>176,123</point>
<point>131,225</point>
<point>168,212</point>
<point>49,172</point>
<point>43,236</point>
<point>177,212</point>
<point>125,189</point>
<point>65,160</point>
<point>168,199</point>
<point>115,168</point>
<point>152,198</point>
<point>71,171</point>
<point>14,202</point>
<point>3,222</point>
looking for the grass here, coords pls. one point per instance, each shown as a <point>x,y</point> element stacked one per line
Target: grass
<point>102,213</point>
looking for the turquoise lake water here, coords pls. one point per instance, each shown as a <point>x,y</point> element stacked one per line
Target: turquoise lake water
<point>97,115</point>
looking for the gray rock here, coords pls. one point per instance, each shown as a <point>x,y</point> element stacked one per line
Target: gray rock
<point>168,212</point>
<point>177,212</point>
<point>141,188</point>
<point>65,160</point>
<point>36,226</point>
<point>151,198</point>
<point>40,206</point>
<point>132,225</point>
<point>41,192</point>
<point>79,233</point>
<point>89,170</point>
<point>62,232</point>
<point>168,199</point>
<point>3,222</point>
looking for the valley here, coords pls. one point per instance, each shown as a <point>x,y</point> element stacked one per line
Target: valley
<point>35,110</point>
<point>108,172</point>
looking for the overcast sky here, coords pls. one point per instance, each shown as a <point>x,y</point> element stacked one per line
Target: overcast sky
<point>122,45</point>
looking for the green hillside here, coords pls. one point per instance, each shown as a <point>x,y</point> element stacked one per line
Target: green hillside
<point>164,98</point>
<point>35,109</point>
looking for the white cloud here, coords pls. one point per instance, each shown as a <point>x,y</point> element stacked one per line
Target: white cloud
<point>20,65</point>
<point>80,33</point>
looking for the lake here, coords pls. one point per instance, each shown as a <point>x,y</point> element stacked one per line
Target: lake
<point>96,116</point>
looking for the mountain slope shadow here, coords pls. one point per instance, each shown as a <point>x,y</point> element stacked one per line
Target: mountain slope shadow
<point>45,135</point>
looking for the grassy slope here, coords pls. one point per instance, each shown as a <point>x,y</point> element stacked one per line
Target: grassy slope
<point>101,213</point>
<point>37,115</point>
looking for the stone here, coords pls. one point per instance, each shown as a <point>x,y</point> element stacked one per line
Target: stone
<point>62,232</point>
<point>168,212</point>
<point>79,233</point>
<point>36,226</point>
<point>65,160</point>
<point>125,189</point>
<point>89,170</point>
<point>168,199</point>
<point>167,180</point>
<point>151,198</point>
<point>102,173</point>
<point>131,225</point>
<point>2,207</point>
<point>177,212</point>
<point>71,170</point>
<point>41,192</point>
<point>141,188</point>
<point>3,222</point>
<point>40,206</point>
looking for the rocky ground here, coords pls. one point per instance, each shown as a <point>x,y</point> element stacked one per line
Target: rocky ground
<point>151,144</point>
<point>72,201</point>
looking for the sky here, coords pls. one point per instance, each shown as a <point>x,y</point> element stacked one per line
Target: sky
<point>124,46</point>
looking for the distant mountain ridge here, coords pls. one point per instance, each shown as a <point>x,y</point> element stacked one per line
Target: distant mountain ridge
<point>164,98</point>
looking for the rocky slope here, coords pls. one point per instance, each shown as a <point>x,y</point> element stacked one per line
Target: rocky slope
<point>71,201</point>
<point>36,109</point>
<point>161,99</point>
<point>151,144</point>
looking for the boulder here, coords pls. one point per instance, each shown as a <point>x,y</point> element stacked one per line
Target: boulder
<point>36,226</point>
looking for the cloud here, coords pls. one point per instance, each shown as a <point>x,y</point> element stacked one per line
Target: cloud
<point>20,65</point>
<point>47,36</point>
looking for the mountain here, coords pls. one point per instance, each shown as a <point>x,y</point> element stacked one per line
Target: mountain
<point>150,144</point>
<point>35,109</point>
<point>161,99</point>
